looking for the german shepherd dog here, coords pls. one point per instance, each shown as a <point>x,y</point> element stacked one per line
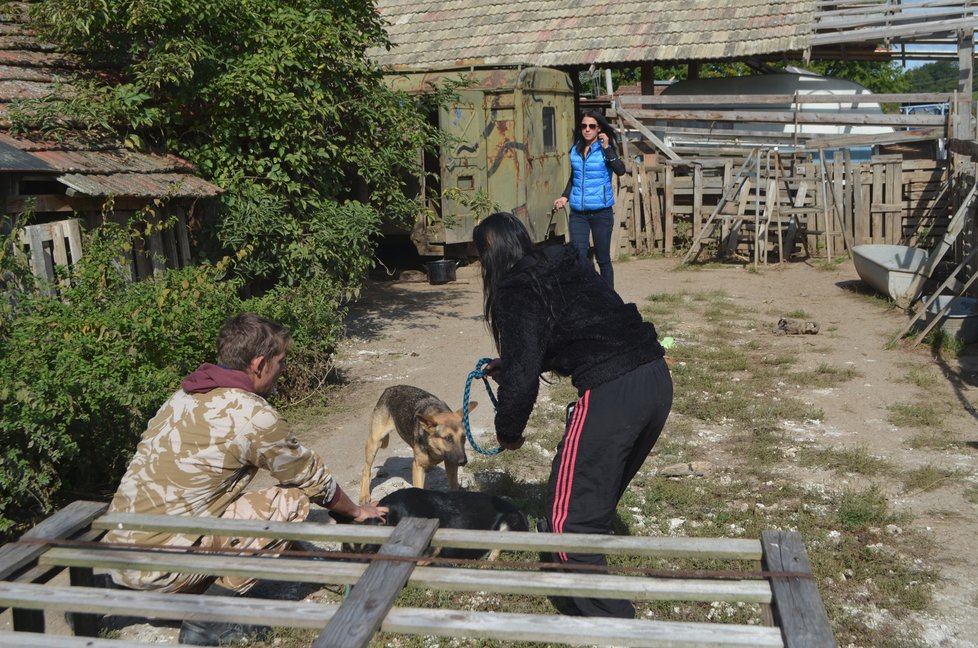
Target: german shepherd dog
<point>426,423</point>
<point>453,510</point>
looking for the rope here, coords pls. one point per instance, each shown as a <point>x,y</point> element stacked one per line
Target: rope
<point>473,375</point>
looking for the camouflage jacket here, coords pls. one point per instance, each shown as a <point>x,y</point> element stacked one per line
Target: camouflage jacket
<point>198,454</point>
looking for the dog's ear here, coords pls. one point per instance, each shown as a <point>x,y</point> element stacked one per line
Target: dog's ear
<point>472,406</point>
<point>427,421</point>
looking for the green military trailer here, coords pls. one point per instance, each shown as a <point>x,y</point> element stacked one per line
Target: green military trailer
<point>511,130</point>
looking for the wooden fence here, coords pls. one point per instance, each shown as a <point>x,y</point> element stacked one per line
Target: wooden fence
<point>156,248</point>
<point>802,191</point>
<point>780,586</point>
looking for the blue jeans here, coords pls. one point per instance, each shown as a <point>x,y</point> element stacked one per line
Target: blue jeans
<point>599,225</point>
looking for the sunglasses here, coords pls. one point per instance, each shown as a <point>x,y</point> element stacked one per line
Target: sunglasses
<point>588,126</point>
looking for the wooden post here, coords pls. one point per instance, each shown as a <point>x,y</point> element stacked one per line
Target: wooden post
<point>647,70</point>
<point>797,607</point>
<point>361,614</point>
<point>697,199</point>
<point>724,223</point>
<point>966,53</point>
<point>670,227</point>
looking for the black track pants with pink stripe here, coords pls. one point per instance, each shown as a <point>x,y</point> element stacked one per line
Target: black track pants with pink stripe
<point>609,434</point>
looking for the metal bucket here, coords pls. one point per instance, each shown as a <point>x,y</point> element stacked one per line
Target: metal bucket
<point>441,271</point>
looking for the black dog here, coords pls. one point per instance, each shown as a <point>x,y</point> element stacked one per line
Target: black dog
<point>453,510</point>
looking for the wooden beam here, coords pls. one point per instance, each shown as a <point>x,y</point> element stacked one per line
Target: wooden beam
<point>649,135</point>
<point>786,99</point>
<point>719,548</point>
<point>500,626</point>
<point>458,579</point>
<point>797,606</point>
<point>963,128</point>
<point>362,613</point>
<point>790,117</point>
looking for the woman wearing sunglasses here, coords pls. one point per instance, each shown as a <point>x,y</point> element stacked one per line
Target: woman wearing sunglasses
<point>589,192</point>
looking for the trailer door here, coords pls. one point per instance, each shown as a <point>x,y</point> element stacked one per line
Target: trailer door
<point>463,165</point>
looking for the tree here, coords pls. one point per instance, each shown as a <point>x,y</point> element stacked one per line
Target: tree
<point>274,100</point>
<point>939,76</point>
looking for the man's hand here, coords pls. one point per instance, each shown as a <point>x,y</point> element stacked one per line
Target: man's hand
<point>512,444</point>
<point>560,203</point>
<point>370,510</point>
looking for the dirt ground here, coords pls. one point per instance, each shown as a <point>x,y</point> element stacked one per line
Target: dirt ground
<point>410,332</point>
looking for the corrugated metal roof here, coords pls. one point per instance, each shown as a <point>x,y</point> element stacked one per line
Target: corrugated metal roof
<point>121,185</point>
<point>13,159</point>
<point>433,34</point>
<point>30,69</point>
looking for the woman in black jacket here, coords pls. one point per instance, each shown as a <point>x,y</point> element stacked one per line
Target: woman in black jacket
<point>548,310</point>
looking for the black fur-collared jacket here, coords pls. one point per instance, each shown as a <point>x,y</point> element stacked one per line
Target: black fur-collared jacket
<point>555,313</point>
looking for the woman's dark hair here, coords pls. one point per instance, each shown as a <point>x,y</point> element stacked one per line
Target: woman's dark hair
<point>502,240</point>
<point>603,124</point>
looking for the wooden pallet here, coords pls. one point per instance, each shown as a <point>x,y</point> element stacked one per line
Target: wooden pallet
<point>66,540</point>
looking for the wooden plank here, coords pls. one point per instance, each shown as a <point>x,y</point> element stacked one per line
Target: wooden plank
<point>502,581</point>
<point>647,134</point>
<point>719,548</point>
<point>878,180</point>
<point>693,100</point>
<point>62,524</point>
<point>797,605</point>
<point>619,214</point>
<point>362,613</point>
<point>500,626</point>
<point>895,196</point>
<point>861,206</point>
<point>668,201</point>
<point>791,117</point>
<point>35,640</point>
<point>59,250</point>
<point>727,179</point>
<point>697,200</point>
<point>634,223</point>
<point>41,264</point>
<point>73,232</point>
<point>16,556</point>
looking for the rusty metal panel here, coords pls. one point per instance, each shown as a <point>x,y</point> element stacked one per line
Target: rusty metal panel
<point>463,165</point>
<point>512,130</point>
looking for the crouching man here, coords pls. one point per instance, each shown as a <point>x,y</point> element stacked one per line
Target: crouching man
<point>200,452</point>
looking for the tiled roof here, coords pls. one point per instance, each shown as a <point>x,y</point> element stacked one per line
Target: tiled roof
<point>30,69</point>
<point>432,34</point>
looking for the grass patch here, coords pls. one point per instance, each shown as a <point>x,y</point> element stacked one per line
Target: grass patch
<point>824,376</point>
<point>944,343</point>
<point>928,478</point>
<point>933,440</point>
<point>846,460</point>
<point>922,377</point>
<point>921,415</point>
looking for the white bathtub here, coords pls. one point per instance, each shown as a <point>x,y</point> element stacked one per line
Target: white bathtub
<point>888,269</point>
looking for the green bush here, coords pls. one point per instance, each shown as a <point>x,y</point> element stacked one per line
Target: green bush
<point>82,372</point>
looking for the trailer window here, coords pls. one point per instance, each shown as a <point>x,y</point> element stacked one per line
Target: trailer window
<point>549,129</point>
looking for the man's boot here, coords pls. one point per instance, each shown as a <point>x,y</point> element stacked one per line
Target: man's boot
<point>218,633</point>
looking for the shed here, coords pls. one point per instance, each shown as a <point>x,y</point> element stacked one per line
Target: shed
<point>75,181</point>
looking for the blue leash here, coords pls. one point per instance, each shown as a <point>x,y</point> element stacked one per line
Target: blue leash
<point>474,374</point>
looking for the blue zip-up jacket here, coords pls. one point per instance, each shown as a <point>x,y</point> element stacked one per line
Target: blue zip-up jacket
<point>589,188</point>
